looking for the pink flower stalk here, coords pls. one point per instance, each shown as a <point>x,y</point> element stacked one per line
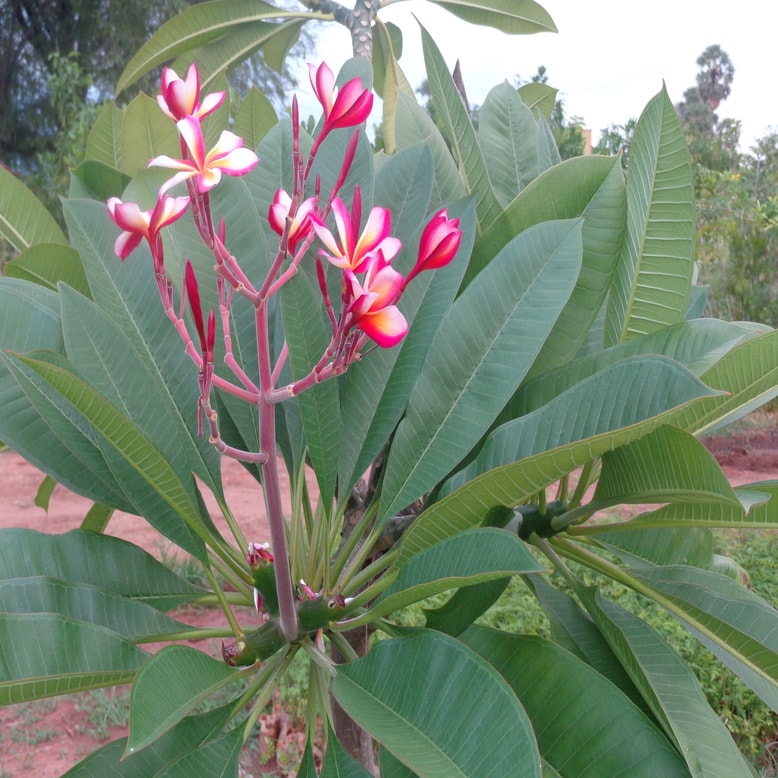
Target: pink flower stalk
<point>438,245</point>
<point>352,252</point>
<point>345,107</point>
<point>371,302</point>
<point>301,222</point>
<point>138,224</point>
<point>227,156</point>
<point>181,97</point>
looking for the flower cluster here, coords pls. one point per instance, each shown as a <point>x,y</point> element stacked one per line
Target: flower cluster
<point>370,287</point>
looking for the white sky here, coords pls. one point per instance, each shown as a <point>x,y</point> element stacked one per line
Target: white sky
<point>608,59</point>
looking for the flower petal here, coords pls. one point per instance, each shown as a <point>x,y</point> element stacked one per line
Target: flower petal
<point>386,327</point>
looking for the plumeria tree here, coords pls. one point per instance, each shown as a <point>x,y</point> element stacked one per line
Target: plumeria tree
<point>473,349</point>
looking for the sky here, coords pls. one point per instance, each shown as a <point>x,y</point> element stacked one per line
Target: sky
<point>608,59</point>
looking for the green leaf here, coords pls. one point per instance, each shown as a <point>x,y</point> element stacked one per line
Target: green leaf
<point>433,703</point>
<point>471,557</point>
<point>672,690</point>
<point>508,136</point>
<point>668,465</point>
<point>414,125</point>
<point>98,181</point>
<point>540,98</point>
<point>47,264</point>
<point>459,132</point>
<point>653,278</point>
<point>516,17</point>
<point>648,387</point>
<point>739,627</point>
<point>696,344</point>
<point>465,606</point>
<point>593,189</point>
<point>129,618</point>
<point>748,373</point>
<point>513,484</point>
<point>338,763</point>
<point>591,729</point>
<point>196,26</point>
<point>88,559</point>
<point>645,547</point>
<point>218,758</point>
<point>104,143</point>
<point>146,133</point>
<point>389,77</point>
<point>132,448</point>
<point>255,118</point>
<point>44,654</point>
<point>187,735</point>
<point>573,629</point>
<point>24,220</point>
<point>762,515</point>
<point>307,334</point>
<point>240,42</point>
<point>167,687</point>
<point>481,352</point>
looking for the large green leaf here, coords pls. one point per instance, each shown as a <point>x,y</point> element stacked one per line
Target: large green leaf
<point>240,42</point>
<point>459,132</point>
<point>187,735</point>
<point>733,622</point>
<point>168,687</point>
<point>697,344</point>
<point>481,352</point>
<point>593,188</point>
<point>516,17</point>
<point>672,690</point>
<point>104,143</point>
<point>48,264</point>
<point>197,25</point>
<point>389,77</point>
<point>24,220</point>
<point>127,293</point>
<point>584,725</point>
<point>414,125</point>
<point>748,373</point>
<point>507,132</point>
<point>668,465</point>
<point>434,704</point>
<point>254,118</point>
<point>573,629</point>
<point>648,387</point>
<point>161,485</point>
<point>514,484</point>
<point>338,763</point>
<point>90,559</point>
<point>654,276</point>
<point>130,618</point>
<point>146,133</point>
<point>307,334</point>
<point>471,557</point>
<point>761,515</point>
<point>44,654</point>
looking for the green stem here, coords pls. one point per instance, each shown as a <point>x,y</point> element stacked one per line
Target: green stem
<point>186,634</point>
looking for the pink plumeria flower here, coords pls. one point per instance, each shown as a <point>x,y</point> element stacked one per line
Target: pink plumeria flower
<point>372,302</point>
<point>301,223</point>
<point>438,245</point>
<point>345,107</point>
<point>181,97</point>
<point>353,252</point>
<point>138,224</point>
<point>227,156</point>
